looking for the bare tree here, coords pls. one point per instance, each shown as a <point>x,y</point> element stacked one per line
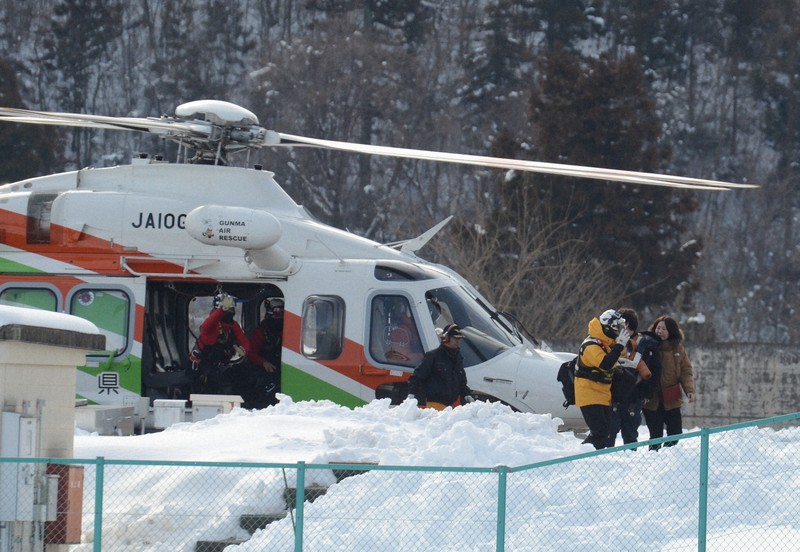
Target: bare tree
<point>553,288</point>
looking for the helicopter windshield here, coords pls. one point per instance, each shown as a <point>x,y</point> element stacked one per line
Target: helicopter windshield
<point>485,336</point>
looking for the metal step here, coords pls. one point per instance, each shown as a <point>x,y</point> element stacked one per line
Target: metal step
<point>311,494</point>
<point>342,474</point>
<point>215,546</point>
<point>253,522</point>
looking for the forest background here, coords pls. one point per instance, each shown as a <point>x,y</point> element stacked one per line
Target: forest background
<point>705,89</point>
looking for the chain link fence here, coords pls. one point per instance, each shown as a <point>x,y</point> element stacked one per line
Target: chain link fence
<point>714,490</point>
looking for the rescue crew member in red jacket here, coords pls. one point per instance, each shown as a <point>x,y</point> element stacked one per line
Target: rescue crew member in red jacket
<point>259,378</point>
<point>221,340</point>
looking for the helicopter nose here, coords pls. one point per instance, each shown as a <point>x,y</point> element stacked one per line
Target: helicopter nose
<point>537,382</point>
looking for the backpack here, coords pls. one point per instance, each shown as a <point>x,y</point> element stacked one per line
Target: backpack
<point>566,373</point>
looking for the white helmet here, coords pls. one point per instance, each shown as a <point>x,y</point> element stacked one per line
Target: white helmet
<point>612,323</point>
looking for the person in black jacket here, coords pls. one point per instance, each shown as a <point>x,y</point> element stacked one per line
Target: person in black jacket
<point>440,380</point>
<point>642,352</point>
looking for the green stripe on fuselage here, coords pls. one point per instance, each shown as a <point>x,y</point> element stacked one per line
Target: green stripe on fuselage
<point>129,370</point>
<point>301,386</point>
<point>16,268</point>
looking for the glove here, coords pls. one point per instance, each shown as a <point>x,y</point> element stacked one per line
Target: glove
<point>239,350</point>
<point>227,303</point>
<point>626,363</point>
<point>624,336</point>
<point>469,399</point>
<point>194,356</point>
<point>690,396</point>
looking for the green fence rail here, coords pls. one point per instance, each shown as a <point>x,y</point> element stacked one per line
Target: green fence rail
<point>716,492</point>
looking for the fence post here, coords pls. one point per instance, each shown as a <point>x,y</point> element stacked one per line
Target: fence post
<point>299,499</point>
<point>502,481</point>
<point>702,514</point>
<point>98,504</point>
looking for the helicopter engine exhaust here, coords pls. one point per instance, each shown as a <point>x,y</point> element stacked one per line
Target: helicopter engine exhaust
<point>255,232</point>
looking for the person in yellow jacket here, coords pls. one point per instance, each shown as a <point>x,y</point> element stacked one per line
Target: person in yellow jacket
<point>663,410</point>
<point>600,352</point>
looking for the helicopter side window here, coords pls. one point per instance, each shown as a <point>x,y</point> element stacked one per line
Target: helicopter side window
<point>394,337</point>
<point>323,327</point>
<point>37,298</point>
<point>110,311</point>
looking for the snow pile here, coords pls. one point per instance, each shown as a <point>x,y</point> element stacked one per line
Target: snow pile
<point>626,500</point>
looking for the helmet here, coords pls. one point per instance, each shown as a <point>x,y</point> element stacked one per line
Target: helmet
<point>275,306</point>
<point>451,330</point>
<point>225,302</point>
<point>612,323</point>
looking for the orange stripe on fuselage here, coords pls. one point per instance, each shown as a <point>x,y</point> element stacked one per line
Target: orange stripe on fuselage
<point>76,248</point>
<point>352,363</point>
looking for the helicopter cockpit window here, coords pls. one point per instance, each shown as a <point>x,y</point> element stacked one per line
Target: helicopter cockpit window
<point>110,311</point>
<point>323,327</point>
<point>483,337</point>
<point>394,337</point>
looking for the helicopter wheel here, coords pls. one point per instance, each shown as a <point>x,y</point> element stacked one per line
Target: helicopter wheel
<point>490,399</point>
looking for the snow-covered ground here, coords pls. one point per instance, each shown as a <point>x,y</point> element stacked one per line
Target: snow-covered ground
<point>626,500</point>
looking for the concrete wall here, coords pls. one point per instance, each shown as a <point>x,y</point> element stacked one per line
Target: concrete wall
<point>738,382</point>
<point>39,364</point>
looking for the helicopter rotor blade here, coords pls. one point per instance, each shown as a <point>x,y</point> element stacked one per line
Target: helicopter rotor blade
<point>50,121</point>
<point>149,124</point>
<point>633,177</point>
<point>214,126</point>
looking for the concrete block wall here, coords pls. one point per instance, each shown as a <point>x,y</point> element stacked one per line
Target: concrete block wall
<point>741,382</point>
<point>31,372</point>
<point>38,372</point>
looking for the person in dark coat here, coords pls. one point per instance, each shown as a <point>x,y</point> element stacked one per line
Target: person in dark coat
<point>642,351</point>
<point>440,380</point>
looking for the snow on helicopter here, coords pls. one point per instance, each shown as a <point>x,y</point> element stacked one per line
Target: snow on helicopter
<point>141,250</point>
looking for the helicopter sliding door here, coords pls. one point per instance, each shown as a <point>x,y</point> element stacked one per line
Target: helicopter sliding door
<point>174,315</point>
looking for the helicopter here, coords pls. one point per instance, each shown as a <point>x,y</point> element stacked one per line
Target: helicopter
<point>142,250</point>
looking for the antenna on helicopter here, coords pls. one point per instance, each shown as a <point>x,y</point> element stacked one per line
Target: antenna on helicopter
<point>216,128</point>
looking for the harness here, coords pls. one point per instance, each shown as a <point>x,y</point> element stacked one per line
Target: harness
<point>592,373</point>
<point>224,335</point>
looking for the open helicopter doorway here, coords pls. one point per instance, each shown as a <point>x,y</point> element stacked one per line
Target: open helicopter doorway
<point>175,314</point>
